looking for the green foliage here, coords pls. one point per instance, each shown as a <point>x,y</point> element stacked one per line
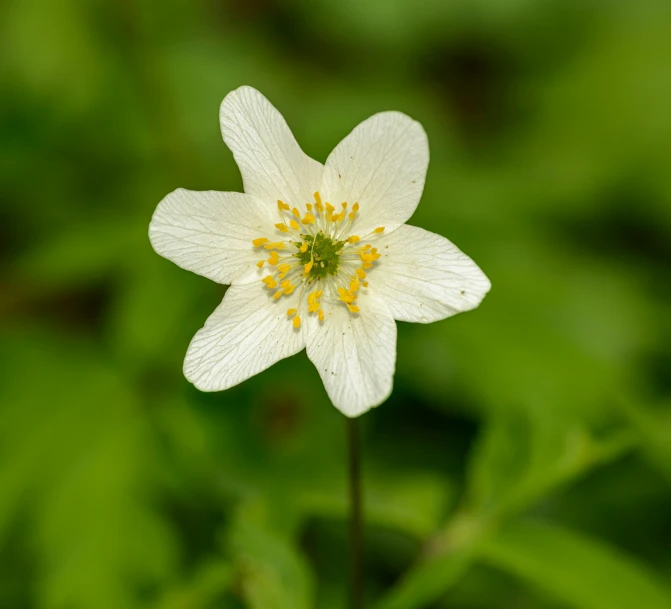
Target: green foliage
<point>523,459</point>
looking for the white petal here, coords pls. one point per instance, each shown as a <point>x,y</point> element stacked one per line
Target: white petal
<point>270,160</point>
<point>424,277</point>
<point>355,354</point>
<point>247,333</point>
<point>211,233</point>
<point>381,165</point>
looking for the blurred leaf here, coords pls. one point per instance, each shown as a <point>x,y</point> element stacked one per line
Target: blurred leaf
<point>582,572</point>
<point>524,454</point>
<point>413,503</point>
<point>428,581</point>
<point>272,573</point>
<point>74,441</point>
<point>207,584</point>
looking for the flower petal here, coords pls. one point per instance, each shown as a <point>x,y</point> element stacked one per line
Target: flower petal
<point>381,165</point>
<point>355,354</point>
<point>247,333</point>
<point>270,160</point>
<point>211,233</point>
<point>424,277</point>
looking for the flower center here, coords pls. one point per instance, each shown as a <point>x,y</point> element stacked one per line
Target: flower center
<point>324,252</point>
<point>318,259</point>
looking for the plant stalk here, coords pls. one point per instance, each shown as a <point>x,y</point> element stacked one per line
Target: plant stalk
<point>356,514</point>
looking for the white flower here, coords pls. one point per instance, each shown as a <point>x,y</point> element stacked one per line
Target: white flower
<point>318,256</point>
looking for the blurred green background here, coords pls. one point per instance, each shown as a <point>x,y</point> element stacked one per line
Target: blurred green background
<point>524,458</point>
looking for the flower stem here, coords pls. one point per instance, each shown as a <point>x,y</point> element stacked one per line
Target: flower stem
<point>356,515</point>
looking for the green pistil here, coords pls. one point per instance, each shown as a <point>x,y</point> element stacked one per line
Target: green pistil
<point>324,251</point>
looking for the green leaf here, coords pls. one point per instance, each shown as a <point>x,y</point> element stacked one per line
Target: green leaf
<point>582,572</point>
<point>427,581</point>
<point>272,573</point>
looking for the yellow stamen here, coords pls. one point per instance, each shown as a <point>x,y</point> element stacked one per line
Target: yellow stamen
<point>329,207</point>
<point>284,268</point>
<point>274,258</point>
<point>345,296</point>
<point>308,219</point>
<point>319,293</point>
<point>360,272</point>
<point>297,322</point>
<point>289,289</point>
<point>318,198</point>
<point>259,242</point>
<point>270,282</point>
<point>321,314</point>
<point>308,266</point>
<point>344,205</point>
<point>353,308</point>
<point>276,245</point>
<point>295,212</point>
<point>277,295</point>
<point>285,283</point>
<point>260,263</point>
<point>351,215</point>
<point>364,284</point>
<point>308,206</point>
<point>291,312</point>
<point>304,248</point>
<point>353,238</point>
<point>283,227</point>
<point>379,229</point>
<point>282,206</point>
<point>294,224</point>
<point>355,207</point>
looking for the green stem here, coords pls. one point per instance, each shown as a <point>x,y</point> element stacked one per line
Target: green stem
<point>356,514</point>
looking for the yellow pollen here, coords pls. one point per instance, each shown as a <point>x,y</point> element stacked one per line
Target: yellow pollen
<point>353,238</point>
<point>351,215</point>
<point>379,229</point>
<point>321,314</point>
<point>353,308</point>
<point>274,259</point>
<point>285,283</point>
<point>319,206</point>
<point>297,322</point>
<point>308,206</point>
<point>344,205</point>
<point>319,293</point>
<point>291,312</point>
<point>260,263</point>
<point>295,212</point>
<point>360,272</point>
<point>329,207</point>
<point>283,227</point>
<point>270,282</point>
<point>308,218</point>
<point>277,295</point>
<point>284,268</point>
<point>364,284</point>
<point>289,289</point>
<point>276,245</point>
<point>294,224</point>
<point>304,248</point>
<point>282,206</point>
<point>345,296</point>
<point>354,286</point>
<point>259,242</point>
<point>308,266</point>
<point>355,207</point>
<point>318,198</point>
